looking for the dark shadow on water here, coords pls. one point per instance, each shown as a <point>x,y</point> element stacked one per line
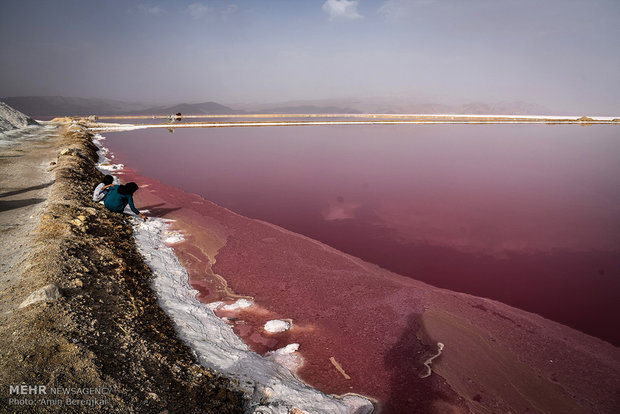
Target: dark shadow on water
<point>25,190</point>
<point>13,204</point>
<point>155,210</point>
<point>410,394</point>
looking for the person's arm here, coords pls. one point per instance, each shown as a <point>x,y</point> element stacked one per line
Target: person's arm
<point>98,194</point>
<point>133,207</point>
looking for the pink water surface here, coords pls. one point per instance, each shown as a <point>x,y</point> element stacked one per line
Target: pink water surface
<point>528,215</point>
<point>364,317</point>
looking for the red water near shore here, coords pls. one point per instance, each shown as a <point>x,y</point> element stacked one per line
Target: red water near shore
<point>526,215</point>
<point>359,327</point>
<point>363,317</point>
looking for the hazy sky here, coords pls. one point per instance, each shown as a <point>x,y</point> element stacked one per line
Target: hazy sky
<point>564,54</point>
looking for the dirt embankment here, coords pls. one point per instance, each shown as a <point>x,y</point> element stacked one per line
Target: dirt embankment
<point>105,332</point>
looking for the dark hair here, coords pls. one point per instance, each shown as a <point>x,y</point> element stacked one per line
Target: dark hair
<point>128,189</point>
<point>108,179</point>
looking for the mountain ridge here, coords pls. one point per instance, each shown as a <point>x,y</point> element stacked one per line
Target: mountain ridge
<point>51,106</point>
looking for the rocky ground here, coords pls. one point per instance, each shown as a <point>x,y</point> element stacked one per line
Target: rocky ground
<point>99,327</point>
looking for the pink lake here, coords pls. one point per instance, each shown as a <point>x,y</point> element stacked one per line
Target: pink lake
<point>525,214</point>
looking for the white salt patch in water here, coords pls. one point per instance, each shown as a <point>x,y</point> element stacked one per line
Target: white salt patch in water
<point>214,305</point>
<point>277,325</point>
<point>239,304</point>
<point>287,356</point>
<point>174,239</point>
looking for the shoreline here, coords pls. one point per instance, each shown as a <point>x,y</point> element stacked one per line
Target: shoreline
<point>102,329</point>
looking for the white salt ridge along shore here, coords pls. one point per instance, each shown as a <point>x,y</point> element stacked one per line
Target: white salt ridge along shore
<point>104,164</point>
<point>269,381</point>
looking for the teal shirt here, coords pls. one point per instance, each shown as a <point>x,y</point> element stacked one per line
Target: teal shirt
<point>116,202</point>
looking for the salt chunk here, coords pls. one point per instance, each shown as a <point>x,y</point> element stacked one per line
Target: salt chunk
<point>277,325</point>
<point>214,305</point>
<point>287,357</point>
<point>289,349</point>
<point>240,304</point>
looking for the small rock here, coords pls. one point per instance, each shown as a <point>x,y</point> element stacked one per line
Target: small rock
<point>78,283</point>
<point>358,404</point>
<point>49,292</point>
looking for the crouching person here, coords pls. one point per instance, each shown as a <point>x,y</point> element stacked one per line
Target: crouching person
<point>119,196</point>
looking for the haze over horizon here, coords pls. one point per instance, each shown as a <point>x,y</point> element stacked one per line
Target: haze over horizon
<point>558,54</point>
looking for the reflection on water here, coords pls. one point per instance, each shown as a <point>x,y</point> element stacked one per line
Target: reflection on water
<point>526,214</point>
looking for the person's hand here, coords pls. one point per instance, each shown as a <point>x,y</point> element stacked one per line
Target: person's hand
<point>143,216</point>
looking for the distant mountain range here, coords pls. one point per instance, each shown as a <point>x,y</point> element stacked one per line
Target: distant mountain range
<point>47,106</point>
<point>309,109</point>
<point>387,105</point>
<point>205,108</point>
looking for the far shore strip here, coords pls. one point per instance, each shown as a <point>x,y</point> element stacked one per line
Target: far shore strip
<point>356,119</point>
